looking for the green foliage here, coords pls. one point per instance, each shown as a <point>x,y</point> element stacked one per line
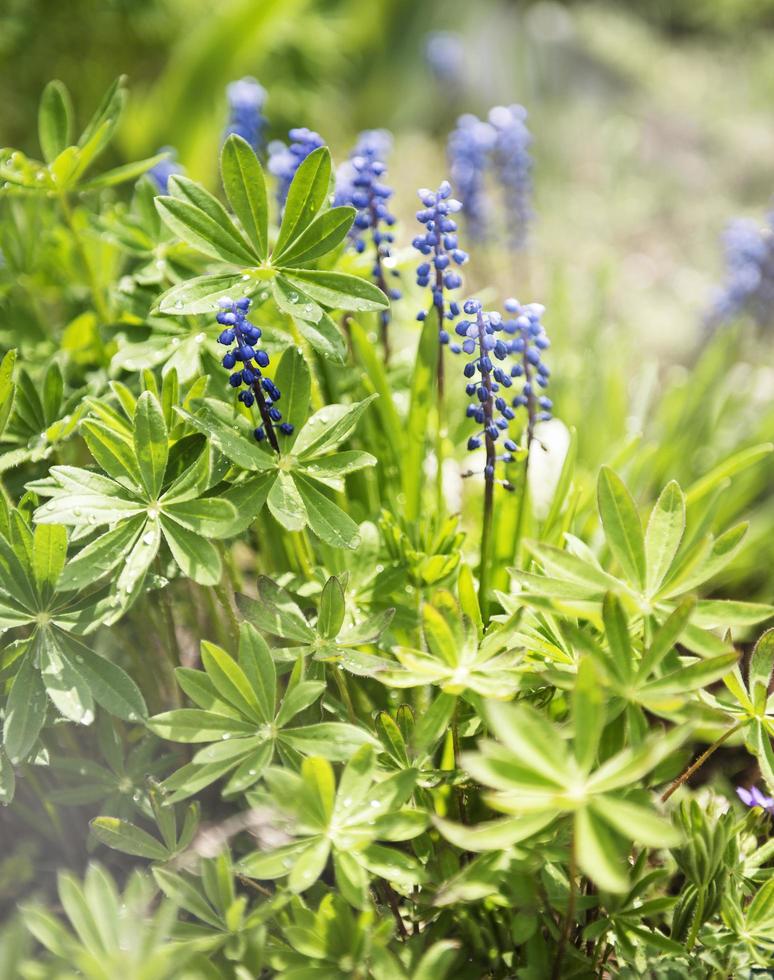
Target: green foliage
<point>267,683</point>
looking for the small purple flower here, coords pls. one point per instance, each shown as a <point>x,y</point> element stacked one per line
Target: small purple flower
<point>754,798</point>
<point>469,149</point>
<point>445,56</point>
<point>165,169</point>
<point>513,167</point>
<point>246,98</point>
<point>749,280</point>
<point>284,161</point>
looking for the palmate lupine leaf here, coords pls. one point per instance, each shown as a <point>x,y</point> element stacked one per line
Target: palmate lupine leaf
<point>455,660</point>
<point>331,640</point>
<point>344,823</point>
<point>532,774</point>
<point>241,713</point>
<point>52,663</point>
<point>142,501</point>
<point>658,568</point>
<point>127,837</point>
<point>288,481</point>
<point>308,232</point>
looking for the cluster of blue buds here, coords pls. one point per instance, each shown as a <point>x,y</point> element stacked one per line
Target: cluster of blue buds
<point>165,169</point>
<point>469,150</point>
<point>244,336</point>
<point>749,285</point>
<point>445,55</point>
<point>513,165</point>
<point>528,340</point>
<point>500,145</point>
<point>284,161</point>
<point>246,98</point>
<point>503,353</point>
<point>440,242</point>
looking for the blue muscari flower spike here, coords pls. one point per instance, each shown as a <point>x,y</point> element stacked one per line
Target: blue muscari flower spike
<point>359,183</point>
<point>513,168</point>
<point>165,169</point>
<point>439,243</point>
<point>241,337</point>
<point>502,353</point>
<point>246,98</point>
<point>284,161</point>
<point>469,149</point>
<point>749,281</point>
<point>445,55</point>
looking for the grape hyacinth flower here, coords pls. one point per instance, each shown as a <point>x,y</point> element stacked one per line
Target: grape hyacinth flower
<point>165,169</point>
<point>445,56</point>
<point>487,381</point>
<point>469,148</point>
<point>359,183</point>
<point>754,798</point>
<point>749,285</point>
<point>513,168</point>
<point>284,161</point>
<point>246,98</point>
<point>440,242</point>
<point>259,389</point>
<point>527,343</point>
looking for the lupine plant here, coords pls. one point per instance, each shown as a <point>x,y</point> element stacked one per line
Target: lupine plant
<point>321,663</point>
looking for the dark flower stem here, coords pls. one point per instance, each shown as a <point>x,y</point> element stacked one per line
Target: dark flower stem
<point>381,282</point>
<point>695,766</point>
<point>488,519</point>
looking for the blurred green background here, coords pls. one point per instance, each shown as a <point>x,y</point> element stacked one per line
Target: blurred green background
<point>652,120</point>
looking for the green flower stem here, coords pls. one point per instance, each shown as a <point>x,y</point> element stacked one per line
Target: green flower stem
<point>695,766</point>
<point>572,872</point>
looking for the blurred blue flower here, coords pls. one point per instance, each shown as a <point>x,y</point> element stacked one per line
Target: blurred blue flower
<point>513,169</point>
<point>284,160</point>
<point>241,337</point>
<point>165,169</point>
<point>445,55</point>
<point>440,243</point>
<point>246,98</point>
<point>527,343</point>
<point>469,149</point>
<point>749,280</point>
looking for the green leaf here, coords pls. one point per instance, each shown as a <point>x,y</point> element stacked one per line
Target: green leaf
<point>328,739</point>
<point>275,612</point>
<point>198,558</point>
<point>320,788</point>
<point>25,712</point>
<point>309,865</point>
<point>230,439</point>
<point>422,399</point>
<point>761,666</point>
<point>493,835</point>
<point>723,471</point>
<point>7,780</point>
<point>101,555</point>
<point>54,120</point>
<point>217,239</point>
<point>112,450</point>
<point>617,633</point>
<point>621,522</point>
<point>124,836</point>
<point>636,822</point>
<point>320,237</point>
<point>256,661</point>
<point>306,196</point>
<point>188,896</point>
<point>588,713</point>
<point>286,504</point>
<point>100,127</point>
<point>65,686</point>
<point>665,637</point>
<point>110,685</point>
<point>332,608</point>
<point>663,535</point>
<point>293,379</point>
<point>326,519</point>
<point>599,853</point>
<point>49,552</point>
<point>245,186</point>
<point>211,517</point>
<point>201,294</point>
<point>191,725</point>
<point>150,442</point>
<point>230,681</point>
<point>293,301</point>
<point>325,337</point>
<point>120,175</point>
<point>7,388</point>
<point>338,290</point>
<point>329,427</point>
